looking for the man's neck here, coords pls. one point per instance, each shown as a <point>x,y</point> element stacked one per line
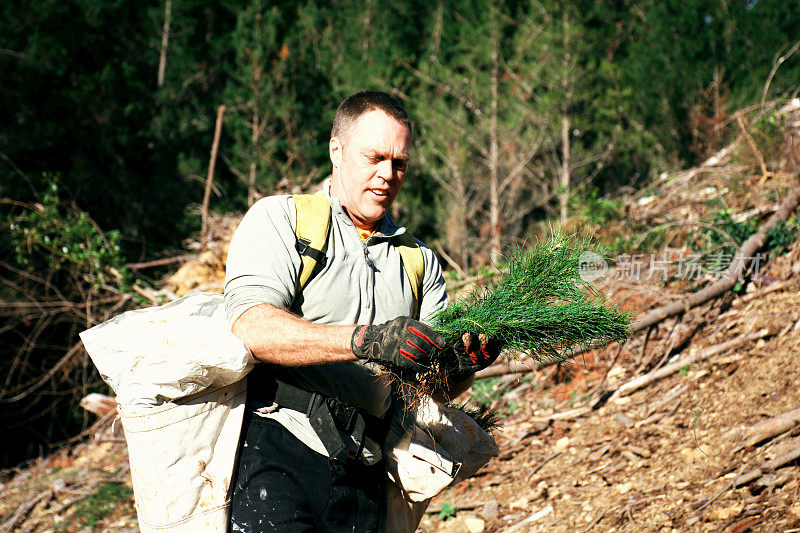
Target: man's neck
<point>360,226</point>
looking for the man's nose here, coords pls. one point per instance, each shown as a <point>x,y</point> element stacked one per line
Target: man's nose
<point>385,170</point>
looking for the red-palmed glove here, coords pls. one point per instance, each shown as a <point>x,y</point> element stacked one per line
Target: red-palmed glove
<point>476,353</point>
<point>402,343</point>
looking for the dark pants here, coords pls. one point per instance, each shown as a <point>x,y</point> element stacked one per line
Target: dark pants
<point>283,485</point>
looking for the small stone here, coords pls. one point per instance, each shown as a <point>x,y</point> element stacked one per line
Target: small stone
<point>726,512</point>
<point>538,515</point>
<point>624,488</point>
<point>522,503</point>
<point>474,524</point>
<point>688,454</point>
<point>562,443</point>
<point>624,419</point>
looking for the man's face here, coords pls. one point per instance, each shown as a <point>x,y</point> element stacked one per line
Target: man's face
<point>369,166</point>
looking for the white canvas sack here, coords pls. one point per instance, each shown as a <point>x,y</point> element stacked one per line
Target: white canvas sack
<point>443,446</point>
<point>177,371</point>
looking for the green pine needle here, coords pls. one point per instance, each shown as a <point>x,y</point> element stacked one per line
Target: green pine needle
<point>541,305</point>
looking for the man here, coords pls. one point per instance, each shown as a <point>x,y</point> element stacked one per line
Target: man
<point>311,454</point>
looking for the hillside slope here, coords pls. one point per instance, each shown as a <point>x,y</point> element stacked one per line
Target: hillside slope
<point>575,454</point>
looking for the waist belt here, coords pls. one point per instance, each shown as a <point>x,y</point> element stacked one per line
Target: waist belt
<point>340,427</point>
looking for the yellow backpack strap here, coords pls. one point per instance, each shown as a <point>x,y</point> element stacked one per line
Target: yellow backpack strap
<point>313,223</point>
<point>413,264</point>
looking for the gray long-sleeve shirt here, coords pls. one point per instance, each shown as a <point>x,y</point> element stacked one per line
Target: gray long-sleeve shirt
<point>360,283</point>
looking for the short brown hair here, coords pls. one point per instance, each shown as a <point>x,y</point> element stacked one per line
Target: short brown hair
<point>351,109</point>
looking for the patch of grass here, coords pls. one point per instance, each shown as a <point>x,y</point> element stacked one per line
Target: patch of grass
<point>484,392</point>
<point>98,505</point>
<point>594,208</point>
<point>447,511</point>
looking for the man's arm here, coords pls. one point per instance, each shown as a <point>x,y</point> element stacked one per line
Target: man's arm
<point>274,335</point>
<point>277,336</point>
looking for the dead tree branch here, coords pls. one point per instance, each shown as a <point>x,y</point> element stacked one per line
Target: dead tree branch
<point>772,427</point>
<point>210,177</point>
<point>776,463</point>
<point>642,381</point>
<point>734,273</point>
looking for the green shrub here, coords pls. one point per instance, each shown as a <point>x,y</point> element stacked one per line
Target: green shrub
<point>48,237</point>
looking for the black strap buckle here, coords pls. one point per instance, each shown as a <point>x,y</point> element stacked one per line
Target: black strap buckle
<point>303,247</point>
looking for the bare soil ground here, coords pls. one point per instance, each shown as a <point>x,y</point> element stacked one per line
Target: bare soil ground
<point>639,463</point>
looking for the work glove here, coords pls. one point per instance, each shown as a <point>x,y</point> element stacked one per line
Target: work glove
<point>402,343</point>
<point>473,353</point>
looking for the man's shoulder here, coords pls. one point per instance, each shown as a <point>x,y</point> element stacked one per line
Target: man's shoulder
<point>275,210</point>
<point>276,202</point>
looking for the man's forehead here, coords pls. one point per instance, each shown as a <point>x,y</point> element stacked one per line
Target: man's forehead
<point>377,123</point>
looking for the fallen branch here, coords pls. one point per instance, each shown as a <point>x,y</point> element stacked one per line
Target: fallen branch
<point>642,381</point>
<point>735,271</point>
<point>771,428</point>
<point>510,367</point>
<point>752,144</point>
<point>655,406</point>
<point>776,463</point>
<point>564,415</point>
<point>778,286</point>
<point>538,515</point>
<point>161,262</point>
<point>24,509</point>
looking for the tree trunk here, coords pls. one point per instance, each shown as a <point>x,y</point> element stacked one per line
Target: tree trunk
<point>494,201</point>
<point>459,220</point>
<point>162,60</point>
<point>212,162</point>
<point>255,126</point>
<point>254,138</point>
<point>565,147</point>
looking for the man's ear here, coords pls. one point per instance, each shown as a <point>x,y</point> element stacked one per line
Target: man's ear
<point>335,151</point>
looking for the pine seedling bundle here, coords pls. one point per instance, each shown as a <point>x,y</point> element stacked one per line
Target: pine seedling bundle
<point>541,305</point>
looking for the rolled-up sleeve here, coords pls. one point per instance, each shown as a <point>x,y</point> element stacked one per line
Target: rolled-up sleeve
<point>263,264</point>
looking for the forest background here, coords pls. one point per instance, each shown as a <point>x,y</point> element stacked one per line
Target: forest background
<point>524,111</point>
